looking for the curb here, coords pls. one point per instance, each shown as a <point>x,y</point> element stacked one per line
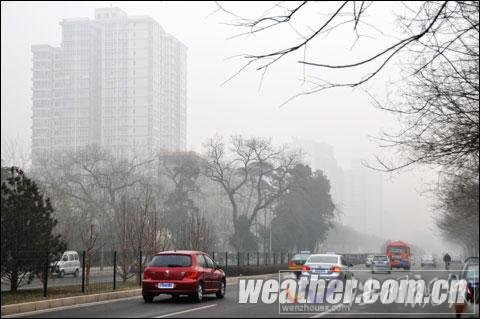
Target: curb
<point>82,299</point>
<point>69,301</point>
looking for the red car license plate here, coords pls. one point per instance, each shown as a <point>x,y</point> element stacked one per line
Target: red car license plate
<point>165,285</point>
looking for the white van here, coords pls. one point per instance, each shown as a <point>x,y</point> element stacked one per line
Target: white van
<point>69,264</point>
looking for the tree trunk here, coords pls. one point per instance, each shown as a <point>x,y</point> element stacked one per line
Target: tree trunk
<point>14,281</point>
<point>101,258</point>
<point>88,264</point>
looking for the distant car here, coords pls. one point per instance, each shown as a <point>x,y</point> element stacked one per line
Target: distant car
<point>428,260</point>
<point>470,273</point>
<point>368,262</point>
<point>297,262</point>
<point>69,264</point>
<point>182,272</point>
<point>327,267</point>
<point>381,263</point>
<point>471,260</point>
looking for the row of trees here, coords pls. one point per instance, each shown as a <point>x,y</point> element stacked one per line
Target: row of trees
<point>435,95</point>
<point>458,211</point>
<point>98,203</point>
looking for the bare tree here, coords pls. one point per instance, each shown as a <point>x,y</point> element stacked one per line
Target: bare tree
<point>458,207</point>
<point>196,233</point>
<point>143,219</point>
<point>86,186</point>
<point>437,51</point>
<point>145,227</point>
<point>252,164</point>
<point>421,24</point>
<point>183,171</point>
<point>74,182</point>
<point>438,102</point>
<point>15,152</point>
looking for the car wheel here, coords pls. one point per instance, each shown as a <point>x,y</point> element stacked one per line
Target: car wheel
<point>76,273</point>
<point>148,297</point>
<point>198,295</point>
<point>373,272</point>
<point>61,274</point>
<point>221,292</point>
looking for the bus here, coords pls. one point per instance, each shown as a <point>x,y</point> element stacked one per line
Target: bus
<point>399,254</point>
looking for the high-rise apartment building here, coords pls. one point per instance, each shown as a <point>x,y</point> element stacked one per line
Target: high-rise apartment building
<point>357,192</point>
<point>364,199</point>
<point>320,156</point>
<point>117,81</point>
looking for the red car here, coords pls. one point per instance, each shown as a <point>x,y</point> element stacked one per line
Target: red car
<point>183,272</point>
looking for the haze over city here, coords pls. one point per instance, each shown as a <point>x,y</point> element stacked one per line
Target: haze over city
<point>239,159</point>
<point>344,118</point>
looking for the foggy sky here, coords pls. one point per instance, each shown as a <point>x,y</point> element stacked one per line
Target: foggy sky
<point>343,118</point>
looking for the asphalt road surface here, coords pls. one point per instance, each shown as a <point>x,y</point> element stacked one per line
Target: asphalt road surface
<point>211,307</point>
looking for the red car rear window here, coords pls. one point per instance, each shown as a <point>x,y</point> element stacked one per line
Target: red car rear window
<point>171,261</point>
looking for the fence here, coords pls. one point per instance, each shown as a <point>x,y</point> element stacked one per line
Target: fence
<point>84,272</point>
<point>102,271</point>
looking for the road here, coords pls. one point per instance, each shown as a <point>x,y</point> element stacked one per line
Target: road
<point>211,307</point>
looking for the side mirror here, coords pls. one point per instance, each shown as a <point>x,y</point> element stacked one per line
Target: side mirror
<point>217,266</point>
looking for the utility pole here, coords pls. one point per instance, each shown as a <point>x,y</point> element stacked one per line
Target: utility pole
<point>270,231</point>
<point>265,228</point>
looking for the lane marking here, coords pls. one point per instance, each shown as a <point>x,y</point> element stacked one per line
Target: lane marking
<point>35,312</point>
<point>184,311</point>
<point>318,315</point>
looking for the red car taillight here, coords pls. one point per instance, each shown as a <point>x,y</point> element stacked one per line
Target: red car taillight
<point>335,269</point>
<point>191,275</point>
<point>292,264</point>
<point>147,275</point>
<point>306,268</point>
